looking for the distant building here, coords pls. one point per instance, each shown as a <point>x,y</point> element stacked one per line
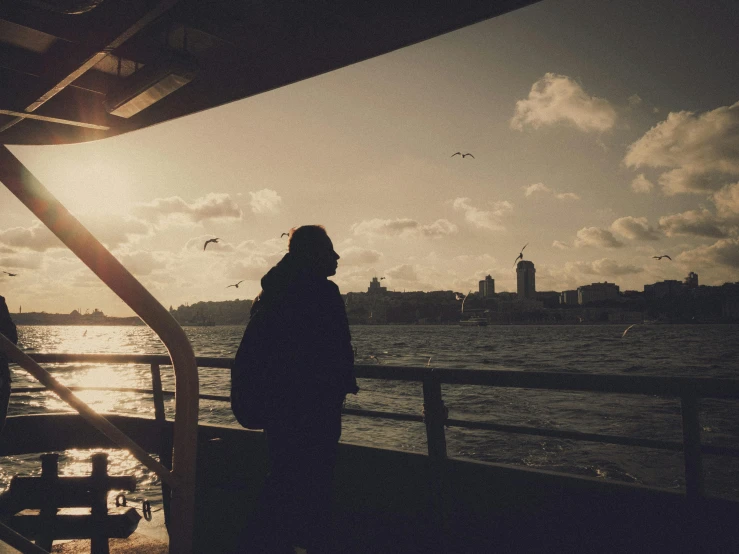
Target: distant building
<point>597,292</point>
<point>664,288</point>
<point>487,287</point>
<point>568,297</point>
<point>375,287</point>
<point>691,281</point>
<point>549,298</point>
<point>526,280</point>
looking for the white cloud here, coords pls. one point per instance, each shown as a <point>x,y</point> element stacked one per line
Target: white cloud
<point>116,230</point>
<point>727,202</point>
<point>36,237</point>
<point>403,272</point>
<point>541,187</point>
<point>265,201</point>
<point>634,228</point>
<point>724,252</point>
<point>211,206</point>
<point>25,261</point>
<point>700,152</point>
<point>536,187</point>
<point>641,184</point>
<point>606,267</point>
<point>142,262</point>
<point>559,244</point>
<point>559,99</point>
<point>483,219</point>
<point>701,223</point>
<point>403,227</point>
<point>595,236</point>
<point>356,255</point>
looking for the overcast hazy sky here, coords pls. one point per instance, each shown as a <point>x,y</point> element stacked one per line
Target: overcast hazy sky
<point>604,132</point>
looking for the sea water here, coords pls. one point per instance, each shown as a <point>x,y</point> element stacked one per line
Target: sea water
<point>666,350</point>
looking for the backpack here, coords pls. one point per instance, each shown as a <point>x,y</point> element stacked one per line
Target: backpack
<point>248,375</point>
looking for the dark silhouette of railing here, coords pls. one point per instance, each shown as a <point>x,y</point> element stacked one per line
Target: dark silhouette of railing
<point>688,389</point>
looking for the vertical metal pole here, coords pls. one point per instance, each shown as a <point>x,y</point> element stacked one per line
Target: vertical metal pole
<point>47,514</point>
<point>434,417</point>
<point>692,447</point>
<point>99,503</point>
<point>165,441</point>
<point>29,190</point>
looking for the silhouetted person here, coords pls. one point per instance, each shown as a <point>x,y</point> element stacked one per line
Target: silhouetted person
<point>7,328</point>
<point>310,371</point>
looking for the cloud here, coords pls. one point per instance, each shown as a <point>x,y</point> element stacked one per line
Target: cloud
<point>483,219</point>
<point>634,228</point>
<point>36,237</point>
<point>403,272</point>
<point>403,227</point>
<point>536,187</point>
<point>724,252</point>
<point>727,202</point>
<point>356,255</point>
<point>606,267</point>
<point>211,206</point>
<point>641,184</point>
<point>700,152</point>
<point>701,223</point>
<point>116,230</point>
<point>635,100</point>
<point>595,236</point>
<point>560,245</point>
<point>541,187</point>
<point>559,99</point>
<point>142,262</point>
<point>265,201</point>
<point>24,261</point>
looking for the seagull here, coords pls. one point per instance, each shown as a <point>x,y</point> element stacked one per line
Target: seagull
<point>463,155</point>
<point>10,274</point>
<point>520,255</point>
<point>236,285</point>
<point>428,364</point>
<point>284,235</point>
<point>627,329</point>
<point>465,298</point>
<point>662,256</point>
<point>209,241</point>
<point>381,278</point>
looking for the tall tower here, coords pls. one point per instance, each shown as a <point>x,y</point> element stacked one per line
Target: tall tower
<point>487,287</point>
<point>526,279</point>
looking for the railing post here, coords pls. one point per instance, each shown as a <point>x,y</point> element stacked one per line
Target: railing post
<point>692,447</point>
<point>99,503</point>
<point>47,514</point>
<point>165,441</point>
<point>435,415</point>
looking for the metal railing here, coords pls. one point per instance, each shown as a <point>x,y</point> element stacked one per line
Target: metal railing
<point>688,389</point>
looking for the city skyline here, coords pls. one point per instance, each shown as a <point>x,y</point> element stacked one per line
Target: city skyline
<point>598,149</point>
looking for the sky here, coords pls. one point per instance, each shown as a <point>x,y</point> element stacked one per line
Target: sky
<point>603,133</point>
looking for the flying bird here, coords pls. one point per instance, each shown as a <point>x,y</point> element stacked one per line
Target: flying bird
<point>10,274</point>
<point>520,255</point>
<point>236,285</point>
<point>284,235</point>
<point>627,329</point>
<point>381,278</point>
<point>662,256</point>
<point>209,241</point>
<point>463,300</point>
<point>463,155</point>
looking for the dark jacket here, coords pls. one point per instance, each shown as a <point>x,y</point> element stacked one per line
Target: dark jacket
<point>7,327</point>
<point>308,344</point>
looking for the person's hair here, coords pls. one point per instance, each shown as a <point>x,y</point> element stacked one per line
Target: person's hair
<point>305,239</point>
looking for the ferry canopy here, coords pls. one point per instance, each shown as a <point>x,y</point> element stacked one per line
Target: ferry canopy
<point>81,70</point>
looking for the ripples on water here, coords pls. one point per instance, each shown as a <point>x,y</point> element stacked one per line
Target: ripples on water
<point>668,350</point>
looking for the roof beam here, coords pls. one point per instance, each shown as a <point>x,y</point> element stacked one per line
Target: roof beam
<point>54,120</point>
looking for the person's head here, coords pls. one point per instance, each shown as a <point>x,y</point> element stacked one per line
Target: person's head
<point>311,246</point>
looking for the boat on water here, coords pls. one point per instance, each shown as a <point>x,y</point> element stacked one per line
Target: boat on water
<point>83,70</point>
